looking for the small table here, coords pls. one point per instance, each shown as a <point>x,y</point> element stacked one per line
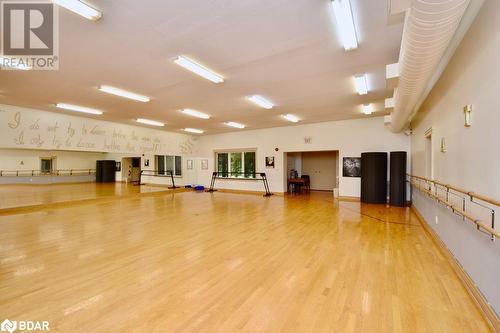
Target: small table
<point>296,184</point>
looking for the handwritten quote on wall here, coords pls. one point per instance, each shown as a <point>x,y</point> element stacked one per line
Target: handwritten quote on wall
<point>24,128</point>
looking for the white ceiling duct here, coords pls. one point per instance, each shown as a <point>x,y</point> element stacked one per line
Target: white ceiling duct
<point>429,28</point>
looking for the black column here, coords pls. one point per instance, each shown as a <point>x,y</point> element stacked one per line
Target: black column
<point>397,196</point>
<point>105,171</point>
<point>374,177</point>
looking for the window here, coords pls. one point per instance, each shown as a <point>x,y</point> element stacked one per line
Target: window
<point>46,165</point>
<point>168,163</point>
<point>236,164</point>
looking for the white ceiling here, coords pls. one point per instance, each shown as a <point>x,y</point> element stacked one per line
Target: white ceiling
<point>287,51</point>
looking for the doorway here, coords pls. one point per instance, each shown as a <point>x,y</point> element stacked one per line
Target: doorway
<point>320,167</point>
<point>429,167</point>
<point>131,169</point>
<point>47,165</point>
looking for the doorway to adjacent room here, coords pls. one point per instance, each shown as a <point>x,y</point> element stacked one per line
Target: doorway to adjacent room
<point>313,170</point>
<point>131,169</point>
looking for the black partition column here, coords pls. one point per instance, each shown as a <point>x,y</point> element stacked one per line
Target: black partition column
<point>105,171</point>
<point>397,196</point>
<point>374,177</point>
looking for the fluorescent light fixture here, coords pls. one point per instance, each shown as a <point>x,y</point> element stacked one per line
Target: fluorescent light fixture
<point>193,130</point>
<point>194,113</point>
<point>389,103</point>
<point>261,101</point>
<point>291,117</point>
<point>198,69</point>
<point>80,8</point>
<point>150,122</point>
<point>124,93</point>
<point>345,23</point>
<point>77,108</point>
<point>368,108</point>
<point>361,84</point>
<point>235,125</point>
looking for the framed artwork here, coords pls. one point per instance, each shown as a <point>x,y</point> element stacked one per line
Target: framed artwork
<point>351,167</point>
<point>204,164</point>
<point>146,163</point>
<point>189,164</point>
<point>118,166</point>
<point>269,161</point>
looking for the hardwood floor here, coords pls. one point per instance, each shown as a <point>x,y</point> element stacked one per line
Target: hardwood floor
<point>199,262</point>
<point>12,196</point>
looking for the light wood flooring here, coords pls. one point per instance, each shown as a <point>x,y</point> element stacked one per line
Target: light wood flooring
<point>219,262</point>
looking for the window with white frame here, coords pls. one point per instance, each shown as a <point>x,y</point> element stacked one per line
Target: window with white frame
<point>166,164</point>
<point>235,164</point>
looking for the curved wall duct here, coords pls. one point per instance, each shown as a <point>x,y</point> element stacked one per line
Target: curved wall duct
<point>429,27</point>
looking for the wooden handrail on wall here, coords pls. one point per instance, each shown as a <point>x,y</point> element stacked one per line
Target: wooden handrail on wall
<point>39,173</point>
<point>413,180</point>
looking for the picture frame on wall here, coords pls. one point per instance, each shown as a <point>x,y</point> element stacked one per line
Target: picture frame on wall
<point>146,162</point>
<point>270,162</point>
<point>118,166</point>
<point>351,167</point>
<point>189,164</point>
<point>204,164</point>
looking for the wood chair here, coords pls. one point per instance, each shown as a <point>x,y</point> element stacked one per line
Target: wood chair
<point>307,183</point>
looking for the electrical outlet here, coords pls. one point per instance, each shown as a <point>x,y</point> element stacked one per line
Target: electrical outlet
<point>437,219</point>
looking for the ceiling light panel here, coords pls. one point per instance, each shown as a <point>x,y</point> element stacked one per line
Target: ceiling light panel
<point>78,108</point>
<point>80,8</point>
<point>194,113</point>
<point>361,84</point>
<point>150,122</point>
<point>261,101</point>
<point>367,108</point>
<point>193,130</point>
<point>345,23</point>
<point>124,93</point>
<point>234,124</point>
<point>198,69</point>
<point>291,118</point>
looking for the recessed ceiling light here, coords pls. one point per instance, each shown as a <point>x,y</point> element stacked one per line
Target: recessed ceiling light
<point>261,101</point>
<point>198,69</point>
<point>235,125</point>
<point>345,23</point>
<point>361,84</point>
<point>150,122</point>
<point>80,8</point>
<point>124,93</point>
<point>78,108</point>
<point>194,113</point>
<point>291,117</point>
<point>193,130</point>
<point>368,108</point>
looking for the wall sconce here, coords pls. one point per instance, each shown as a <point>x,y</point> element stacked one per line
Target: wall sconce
<point>467,112</point>
<point>443,145</point>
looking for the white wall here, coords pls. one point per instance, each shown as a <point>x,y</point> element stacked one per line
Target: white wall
<point>29,159</point>
<point>472,158</point>
<point>47,132</point>
<point>349,137</point>
<point>34,129</point>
